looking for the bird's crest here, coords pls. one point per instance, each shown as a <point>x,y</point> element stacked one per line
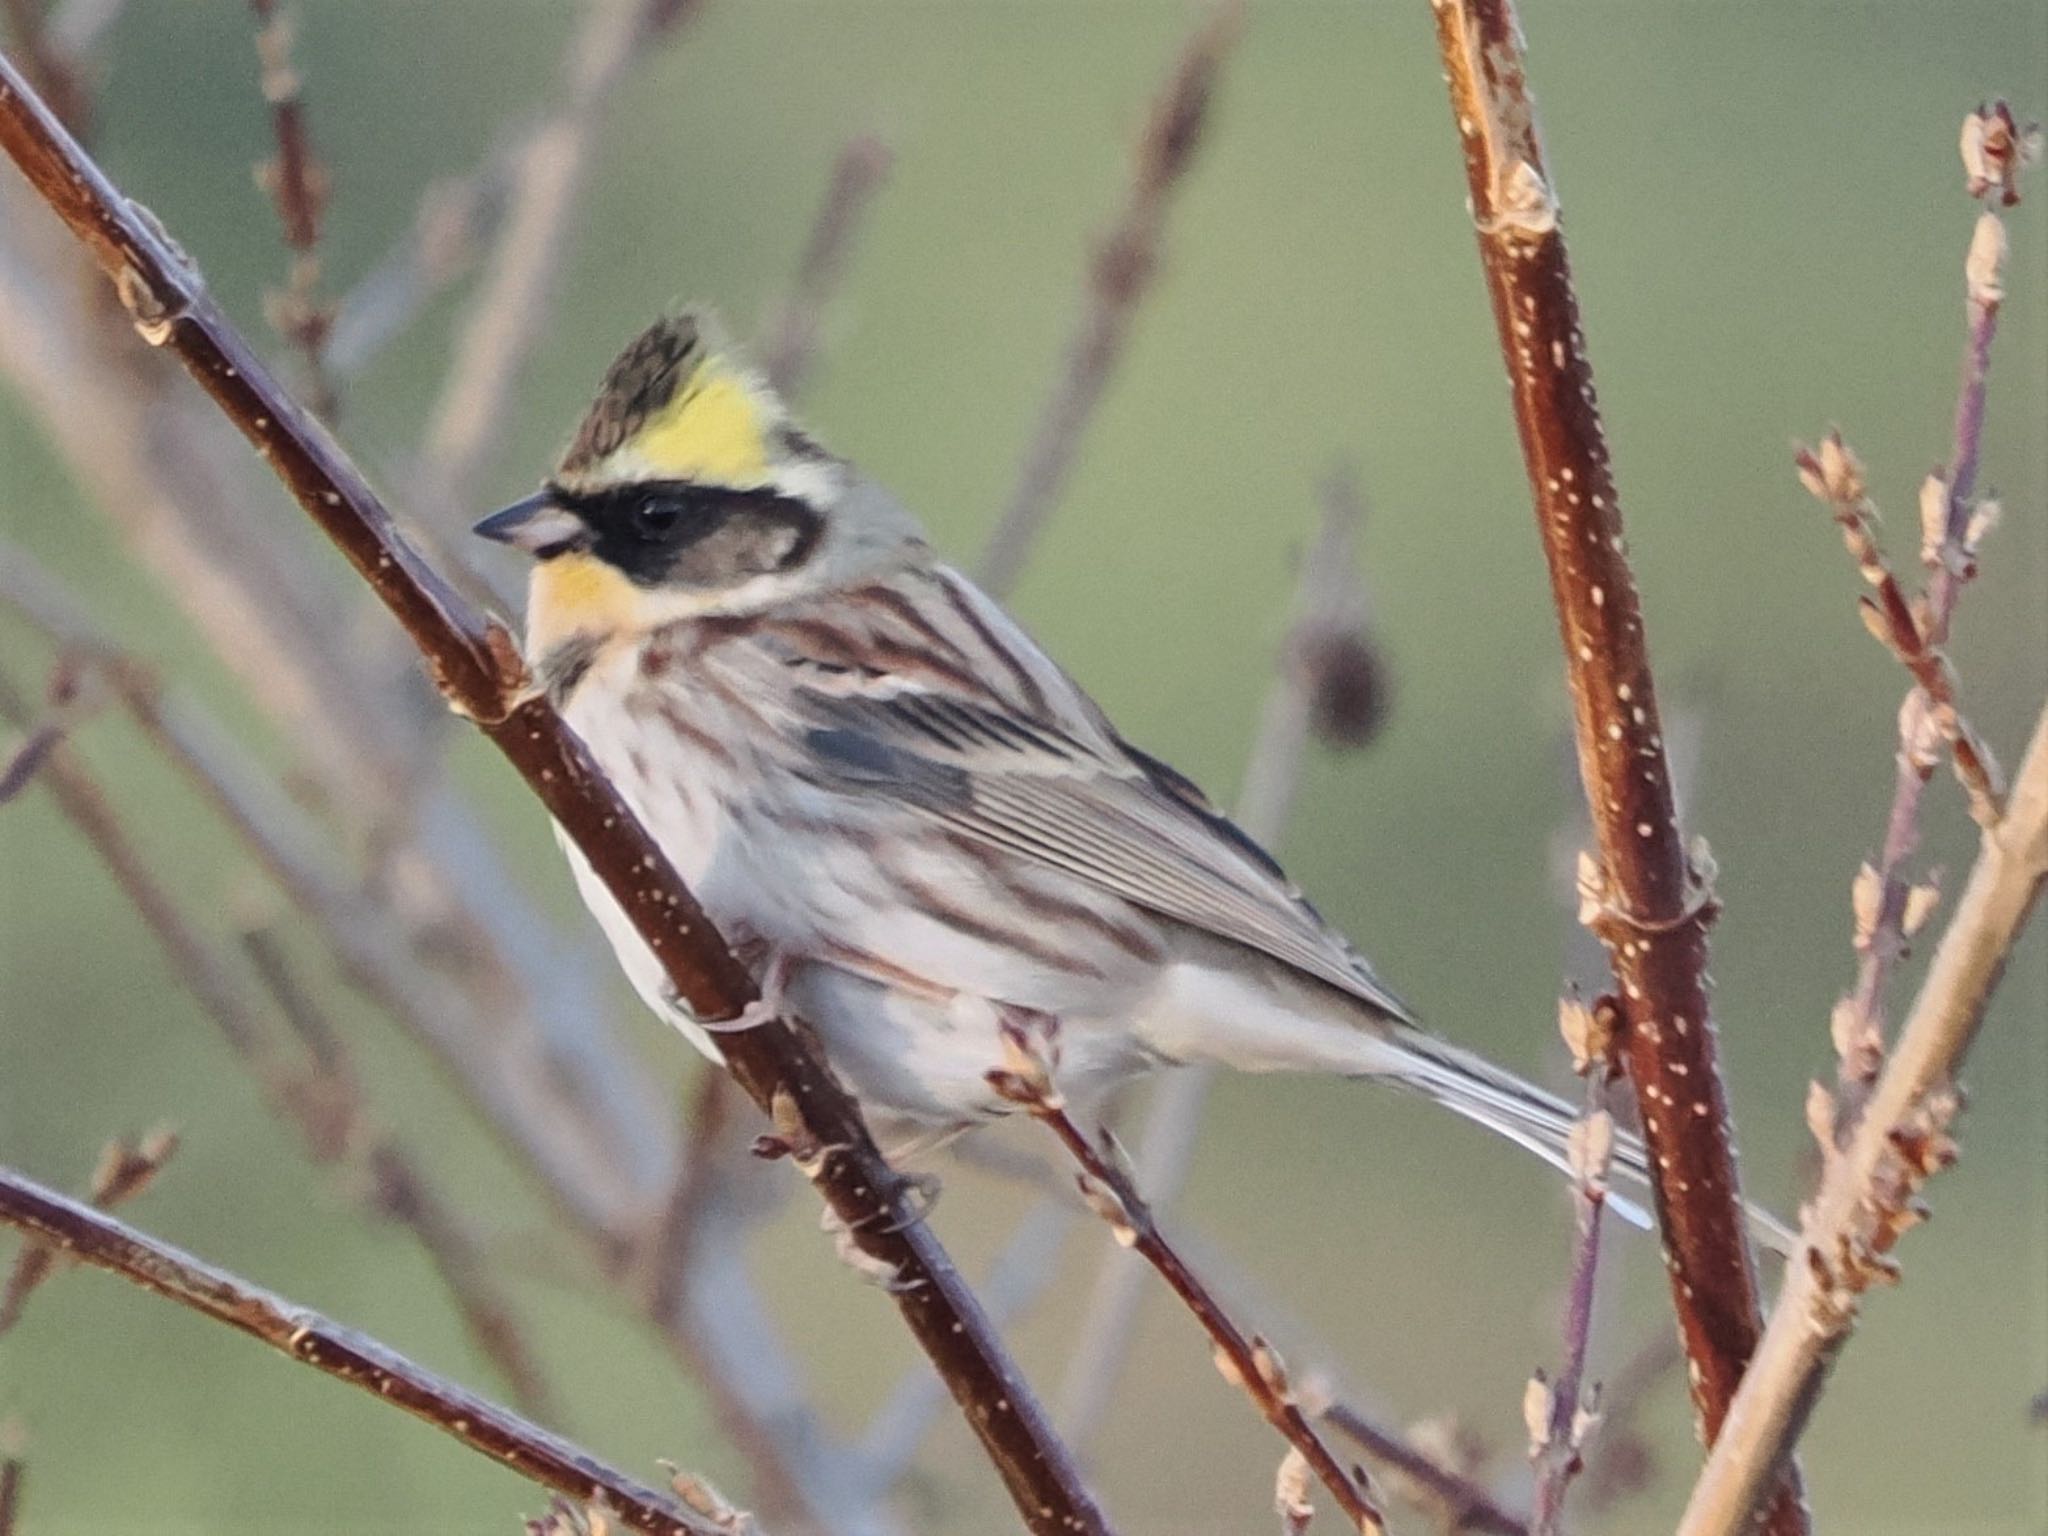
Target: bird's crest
<point>678,404</point>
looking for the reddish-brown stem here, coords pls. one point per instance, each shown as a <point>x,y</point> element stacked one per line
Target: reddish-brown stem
<point>475,662</point>
<point>1558,1458</point>
<point>90,1237</point>
<point>1654,907</point>
<point>1249,1362</point>
<point>126,1168</point>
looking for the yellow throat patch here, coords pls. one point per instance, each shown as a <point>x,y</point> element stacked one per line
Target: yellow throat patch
<point>578,594</point>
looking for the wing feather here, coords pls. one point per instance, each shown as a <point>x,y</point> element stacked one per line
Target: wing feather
<point>1033,768</point>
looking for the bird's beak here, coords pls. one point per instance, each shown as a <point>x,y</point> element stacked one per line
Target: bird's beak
<point>536,525</point>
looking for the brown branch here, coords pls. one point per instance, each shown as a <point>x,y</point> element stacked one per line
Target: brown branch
<point>1027,1079</point>
<point>303,1335</point>
<point>396,1188</point>
<point>125,1169</point>
<point>1561,1415</point>
<point>475,662</point>
<point>552,1128</point>
<point>793,335</point>
<point>1881,1142</point>
<point>1123,270</point>
<point>1327,650</point>
<point>1650,902</point>
<point>1869,1194</point>
<point>322,1101</point>
<point>1953,526</point>
<point>297,182</point>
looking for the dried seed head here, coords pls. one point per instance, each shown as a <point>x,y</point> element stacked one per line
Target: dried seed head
<point>1106,1203</point>
<point>1583,1034</point>
<point>1272,1369</point>
<point>1588,1147</point>
<point>1921,901</point>
<point>1984,266</point>
<point>1820,1117</point>
<point>1831,471</point>
<point>1858,1045</point>
<point>1984,517</point>
<point>1866,902</point>
<point>1592,885</point>
<point>1291,1493</point>
<point>1920,732</point>
<point>1995,149</point>
<point>1537,1404</point>
<point>701,1498</point>
<point>1933,520</point>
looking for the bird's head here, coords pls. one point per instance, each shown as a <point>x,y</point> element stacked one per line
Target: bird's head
<point>687,491</point>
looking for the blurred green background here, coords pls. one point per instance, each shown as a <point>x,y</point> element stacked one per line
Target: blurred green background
<point>1767,220</point>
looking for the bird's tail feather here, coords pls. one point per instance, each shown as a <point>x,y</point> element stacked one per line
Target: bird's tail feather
<point>1538,1121</point>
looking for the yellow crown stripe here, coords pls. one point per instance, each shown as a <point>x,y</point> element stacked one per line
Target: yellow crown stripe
<point>715,430</point>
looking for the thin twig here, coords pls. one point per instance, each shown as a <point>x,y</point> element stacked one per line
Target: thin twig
<point>1561,1414</point>
<point>512,302</point>
<point>1953,526</point>
<point>475,662</point>
<point>297,182</point>
<point>1123,269</point>
<point>127,1166</point>
<point>792,342</point>
<point>304,1335</point>
<point>397,1189</point>
<point>457,218</point>
<point>1027,1079</point>
<point>1465,1505</point>
<point>1869,1188</point>
<point>1327,628</point>
<point>1647,896</point>
<point>321,1102</point>
<point>549,1120</point>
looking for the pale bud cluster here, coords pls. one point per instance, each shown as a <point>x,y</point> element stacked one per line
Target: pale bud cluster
<point>1291,1493</point>
<point>1995,149</point>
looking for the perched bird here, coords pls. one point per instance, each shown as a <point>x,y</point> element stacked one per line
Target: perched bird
<point>904,814</point>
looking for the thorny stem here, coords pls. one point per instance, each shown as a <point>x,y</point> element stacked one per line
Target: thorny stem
<point>1869,1186</point>
<point>90,1237</point>
<point>1123,270</point>
<point>475,663</point>
<point>1651,905</point>
<point>1248,1362</point>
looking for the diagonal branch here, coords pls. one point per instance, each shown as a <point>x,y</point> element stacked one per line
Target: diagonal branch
<point>92,1238</point>
<point>475,662</point>
<point>1651,902</point>
<point>1123,270</point>
<point>1869,1187</point>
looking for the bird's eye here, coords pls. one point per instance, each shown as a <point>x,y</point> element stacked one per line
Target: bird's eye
<point>655,515</point>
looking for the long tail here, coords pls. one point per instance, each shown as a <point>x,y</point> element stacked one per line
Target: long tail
<point>1538,1121</point>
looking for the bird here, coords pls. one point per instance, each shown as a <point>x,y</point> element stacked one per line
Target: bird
<point>909,820</point>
